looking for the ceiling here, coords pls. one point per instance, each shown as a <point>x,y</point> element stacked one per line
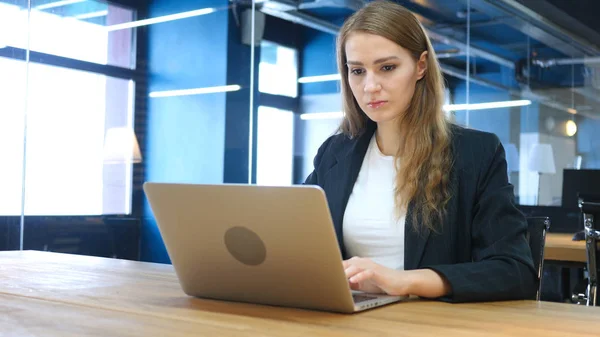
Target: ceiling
<point>85,10</point>
<point>528,39</point>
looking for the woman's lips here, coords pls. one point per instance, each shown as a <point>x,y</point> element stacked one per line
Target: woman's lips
<point>376,104</point>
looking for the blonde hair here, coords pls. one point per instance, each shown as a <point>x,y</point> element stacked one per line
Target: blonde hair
<point>422,177</point>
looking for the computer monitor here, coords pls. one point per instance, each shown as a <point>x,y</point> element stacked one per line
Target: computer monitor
<point>562,219</point>
<point>579,183</point>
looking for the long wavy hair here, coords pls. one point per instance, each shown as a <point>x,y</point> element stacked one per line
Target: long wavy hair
<point>424,159</point>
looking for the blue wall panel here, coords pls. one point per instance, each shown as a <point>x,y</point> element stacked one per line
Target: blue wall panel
<point>185,135</point>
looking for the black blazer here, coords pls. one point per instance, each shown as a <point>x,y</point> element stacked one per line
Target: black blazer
<point>481,249</point>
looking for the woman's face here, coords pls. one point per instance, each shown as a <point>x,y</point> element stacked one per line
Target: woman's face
<point>382,75</point>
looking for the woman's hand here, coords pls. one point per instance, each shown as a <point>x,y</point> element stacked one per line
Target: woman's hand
<point>365,275</point>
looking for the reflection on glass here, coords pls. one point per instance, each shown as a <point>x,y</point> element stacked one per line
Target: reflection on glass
<point>121,146</point>
<point>541,161</point>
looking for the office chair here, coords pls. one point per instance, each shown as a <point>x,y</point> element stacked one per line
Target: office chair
<point>591,222</point>
<point>536,235</point>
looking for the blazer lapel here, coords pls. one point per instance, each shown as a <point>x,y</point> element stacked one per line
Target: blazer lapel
<point>414,242</point>
<point>342,176</point>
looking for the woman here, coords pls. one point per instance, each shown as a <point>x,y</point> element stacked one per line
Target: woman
<point>420,207</point>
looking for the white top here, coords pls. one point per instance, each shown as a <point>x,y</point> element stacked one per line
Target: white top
<point>371,228</point>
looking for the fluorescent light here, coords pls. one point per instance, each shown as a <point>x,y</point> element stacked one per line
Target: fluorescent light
<point>487,105</point>
<point>58,4</point>
<point>91,15</point>
<point>572,111</point>
<point>160,19</point>
<point>320,78</point>
<point>447,107</point>
<point>322,115</point>
<point>196,91</point>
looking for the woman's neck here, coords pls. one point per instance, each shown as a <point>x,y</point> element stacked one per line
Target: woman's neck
<point>387,138</point>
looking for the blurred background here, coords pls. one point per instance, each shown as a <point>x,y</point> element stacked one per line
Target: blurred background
<point>98,97</point>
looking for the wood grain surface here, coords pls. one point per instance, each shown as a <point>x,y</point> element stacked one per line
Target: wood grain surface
<point>49,294</point>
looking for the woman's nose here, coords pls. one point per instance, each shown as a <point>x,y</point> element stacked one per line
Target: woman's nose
<point>372,84</point>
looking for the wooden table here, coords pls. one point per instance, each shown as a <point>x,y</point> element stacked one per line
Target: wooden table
<point>561,247</point>
<point>49,294</point>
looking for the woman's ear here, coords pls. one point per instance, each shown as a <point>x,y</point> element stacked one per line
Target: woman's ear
<point>422,65</point>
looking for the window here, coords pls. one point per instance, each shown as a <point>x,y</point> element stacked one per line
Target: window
<point>76,30</point>
<point>275,146</point>
<point>63,113</point>
<point>67,119</point>
<point>278,72</point>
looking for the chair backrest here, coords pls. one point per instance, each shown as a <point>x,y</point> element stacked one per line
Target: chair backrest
<point>536,235</point>
<point>591,223</point>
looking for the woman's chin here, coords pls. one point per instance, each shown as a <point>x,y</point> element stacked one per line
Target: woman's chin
<point>379,117</point>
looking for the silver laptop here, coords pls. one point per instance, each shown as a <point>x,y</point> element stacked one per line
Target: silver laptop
<point>257,244</point>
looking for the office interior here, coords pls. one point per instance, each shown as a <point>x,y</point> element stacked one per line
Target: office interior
<point>99,97</point>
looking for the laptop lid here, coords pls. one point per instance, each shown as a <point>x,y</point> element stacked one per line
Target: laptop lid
<point>248,243</point>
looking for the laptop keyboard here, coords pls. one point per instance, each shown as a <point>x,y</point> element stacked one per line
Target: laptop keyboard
<point>361,298</point>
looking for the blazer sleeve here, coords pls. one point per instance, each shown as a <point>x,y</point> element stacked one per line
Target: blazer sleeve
<point>502,266</point>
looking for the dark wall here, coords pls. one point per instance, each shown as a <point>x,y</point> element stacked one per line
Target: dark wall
<point>237,126</point>
<point>318,58</point>
<point>237,121</point>
<point>106,236</point>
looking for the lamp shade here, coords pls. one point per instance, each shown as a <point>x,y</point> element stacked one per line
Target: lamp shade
<point>541,159</point>
<point>512,158</point>
<point>121,146</point>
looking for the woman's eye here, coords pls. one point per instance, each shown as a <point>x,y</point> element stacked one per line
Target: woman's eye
<point>388,68</point>
<point>357,71</point>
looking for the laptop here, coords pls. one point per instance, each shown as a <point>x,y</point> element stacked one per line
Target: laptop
<point>256,244</point>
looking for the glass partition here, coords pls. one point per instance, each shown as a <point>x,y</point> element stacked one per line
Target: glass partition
<point>526,71</point>
<point>101,97</point>
<point>531,79</point>
<point>539,75</point>
<point>13,107</point>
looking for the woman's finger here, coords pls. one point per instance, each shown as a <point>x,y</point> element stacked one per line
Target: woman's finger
<point>351,271</point>
<point>346,264</point>
<point>354,286</point>
<point>362,276</point>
